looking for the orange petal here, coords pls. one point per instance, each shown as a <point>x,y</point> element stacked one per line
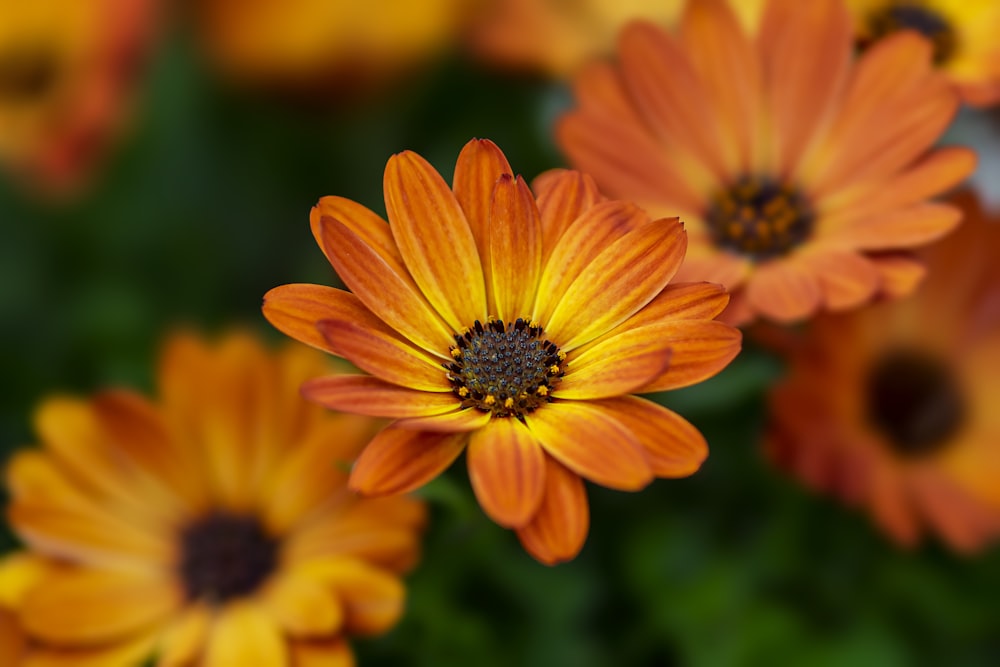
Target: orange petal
<point>459,421</point>
<point>372,598</point>
<point>136,649</point>
<point>562,196</point>
<point>366,395</point>
<point>434,239</point>
<point>620,281</point>
<point>479,166</point>
<point>398,460</point>
<point>847,279</point>
<point>384,354</point>
<point>699,350</point>
<point>363,222</point>
<point>714,266</point>
<point>557,532</point>
<point>783,291</point>
<point>243,634</point>
<point>90,605</point>
<point>900,273</point>
<point>615,365</point>
<point>515,249</point>
<point>383,285</point>
<point>324,653</point>
<point>590,442</point>
<point>681,301</point>
<point>184,640</point>
<point>294,310</point>
<point>507,471</point>
<point>902,228</point>
<point>673,446</point>
<point>300,606</point>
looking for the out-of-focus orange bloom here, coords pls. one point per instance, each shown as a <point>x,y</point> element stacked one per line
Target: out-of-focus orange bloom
<point>894,407</point>
<point>301,43</point>
<point>963,32</point>
<point>67,69</point>
<point>516,324</point>
<point>801,172</point>
<point>213,528</point>
<point>18,574</point>
<point>557,36</point>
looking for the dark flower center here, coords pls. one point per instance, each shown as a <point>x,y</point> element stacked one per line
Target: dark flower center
<point>26,74</point>
<point>225,556</point>
<point>759,217</point>
<point>915,401</point>
<point>915,16</point>
<point>507,370</point>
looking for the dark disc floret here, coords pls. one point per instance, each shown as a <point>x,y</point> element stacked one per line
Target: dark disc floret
<point>507,370</point>
<point>759,218</point>
<point>26,73</point>
<point>225,556</point>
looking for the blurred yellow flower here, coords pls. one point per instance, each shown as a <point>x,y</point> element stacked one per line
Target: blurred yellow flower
<point>300,43</point>
<point>963,33</point>
<point>800,171</point>
<point>19,572</point>
<point>212,528</point>
<point>894,407</point>
<point>66,70</point>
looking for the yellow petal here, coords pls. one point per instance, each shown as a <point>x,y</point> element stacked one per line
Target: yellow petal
<point>242,635</point>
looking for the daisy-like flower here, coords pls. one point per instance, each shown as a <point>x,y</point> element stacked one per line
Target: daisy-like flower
<point>893,407</point>
<point>963,34</point>
<point>802,173</point>
<point>512,327</point>
<point>212,528</point>
<point>67,69</point>
<point>556,36</point>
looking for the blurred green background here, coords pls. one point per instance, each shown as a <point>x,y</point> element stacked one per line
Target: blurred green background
<point>205,207</point>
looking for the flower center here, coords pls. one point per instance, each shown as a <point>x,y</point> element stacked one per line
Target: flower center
<point>507,370</point>
<point>915,401</point>
<point>224,556</point>
<point>759,218</point>
<point>914,16</point>
<point>26,74</point>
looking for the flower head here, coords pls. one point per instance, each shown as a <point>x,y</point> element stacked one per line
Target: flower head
<point>894,407</point>
<point>801,172</point>
<point>213,527</point>
<point>514,324</point>
<point>963,36</point>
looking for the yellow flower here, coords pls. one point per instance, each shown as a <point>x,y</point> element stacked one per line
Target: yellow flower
<point>963,34</point>
<point>66,71</point>
<point>213,527</point>
<point>802,173</point>
<point>893,407</point>
<point>514,323</point>
<point>18,574</point>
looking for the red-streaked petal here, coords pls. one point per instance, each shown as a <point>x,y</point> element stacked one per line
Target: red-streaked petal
<point>783,291</point>
<point>681,301</point>
<point>590,442</point>
<point>615,365</point>
<point>515,236</point>
<point>673,446</point>
<point>563,196</point>
<point>367,395</point>
<point>399,460</point>
<point>620,281</point>
<point>557,532</point>
<point>384,354</point>
<point>479,166</point>
<point>459,421</point>
<point>434,239</point>
<point>363,222</point>
<point>507,471</point>
<point>295,309</point>
<point>383,285</point>
<point>699,350</point>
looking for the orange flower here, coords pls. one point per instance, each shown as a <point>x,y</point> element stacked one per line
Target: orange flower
<point>894,407</point>
<point>213,528</point>
<point>800,172</point>
<point>66,71</point>
<point>557,36</point>
<point>963,33</point>
<point>516,327</point>
<point>18,574</point>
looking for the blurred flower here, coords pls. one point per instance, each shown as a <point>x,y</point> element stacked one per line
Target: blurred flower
<point>963,33</point>
<point>18,574</point>
<point>893,407</point>
<point>557,36</point>
<point>214,528</point>
<point>302,43</point>
<point>67,69</point>
<point>516,327</point>
<point>799,172</point>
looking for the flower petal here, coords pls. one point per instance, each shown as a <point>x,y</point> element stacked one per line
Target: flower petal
<point>615,365</point>
<point>434,239</point>
<point>673,446</point>
<point>900,273</point>
<point>384,354</point>
<point>515,236</point>
<point>704,263</point>
<point>620,281</point>
<point>323,653</point>
<point>563,196</point>
<point>300,606</point>
<point>893,230</point>
<point>699,350</point>
<point>783,291</point>
<point>479,166</point>
<point>507,471</point>
<point>557,532</point>
<point>372,598</point>
<point>366,395</point>
<point>459,421</point>
<point>399,460</point>
<point>847,279</point>
<point>243,634</point>
<point>681,301</point>
<point>590,442</point>
<point>184,640</point>
<point>295,309</point>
